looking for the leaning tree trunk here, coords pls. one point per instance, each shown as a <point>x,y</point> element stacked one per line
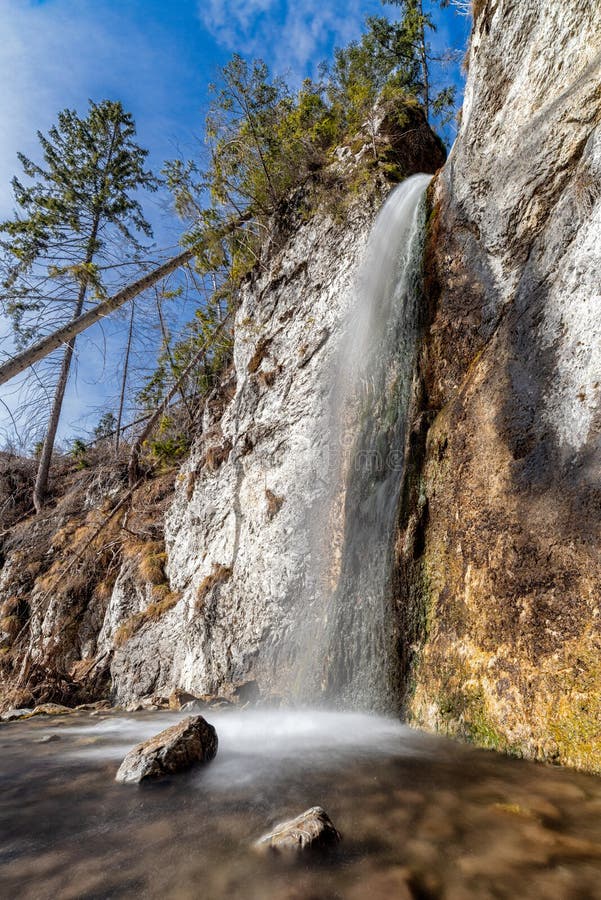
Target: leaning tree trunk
<point>53,341</point>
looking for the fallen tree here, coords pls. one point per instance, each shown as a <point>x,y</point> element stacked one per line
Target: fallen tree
<point>42,348</point>
<point>53,341</point>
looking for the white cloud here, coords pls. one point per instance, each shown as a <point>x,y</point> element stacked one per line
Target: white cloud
<point>227,20</point>
<point>292,35</point>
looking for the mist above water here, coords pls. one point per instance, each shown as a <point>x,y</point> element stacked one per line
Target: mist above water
<point>256,746</point>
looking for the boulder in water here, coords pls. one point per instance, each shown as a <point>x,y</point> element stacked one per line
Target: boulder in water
<point>179,698</point>
<point>312,830</point>
<point>12,715</point>
<point>175,749</point>
<point>52,709</point>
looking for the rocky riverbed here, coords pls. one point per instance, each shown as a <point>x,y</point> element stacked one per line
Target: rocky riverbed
<point>420,817</point>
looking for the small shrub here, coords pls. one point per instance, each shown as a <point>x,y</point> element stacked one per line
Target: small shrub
<point>153,611</point>
<point>79,454</point>
<point>274,503</point>
<point>215,456</point>
<point>190,483</point>
<point>10,606</point>
<point>259,355</point>
<point>151,567</point>
<point>267,378</point>
<point>219,575</point>
<point>104,588</point>
<point>10,625</point>
<point>169,450</point>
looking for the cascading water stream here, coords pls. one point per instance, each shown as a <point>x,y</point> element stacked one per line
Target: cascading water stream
<point>348,641</point>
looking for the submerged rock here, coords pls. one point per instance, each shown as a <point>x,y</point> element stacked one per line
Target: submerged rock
<point>207,701</point>
<point>44,709</point>
<point>47,739</point>
<point>247,692</point>
<point>91,707</point>
<point>153,702</point>
<point>52,709</point>
<point>175,749</point>
<point>13,714</point>
<point>312,830</point>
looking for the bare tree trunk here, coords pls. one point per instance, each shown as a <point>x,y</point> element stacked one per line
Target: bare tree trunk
<point>170,356</point>
<point>124,380</point>
<point>41,482</point>
<point>424,62</point>
<point>76,326</point>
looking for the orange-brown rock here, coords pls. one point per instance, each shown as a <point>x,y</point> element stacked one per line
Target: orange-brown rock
<point>175,749</point>
<point>312,830</point>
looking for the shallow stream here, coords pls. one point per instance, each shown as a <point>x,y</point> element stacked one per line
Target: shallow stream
<point>421,817</point>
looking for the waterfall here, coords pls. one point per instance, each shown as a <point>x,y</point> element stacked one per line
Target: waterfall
<point>347,640</point>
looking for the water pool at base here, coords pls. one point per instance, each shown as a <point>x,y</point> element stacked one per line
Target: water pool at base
<point>421,817</point>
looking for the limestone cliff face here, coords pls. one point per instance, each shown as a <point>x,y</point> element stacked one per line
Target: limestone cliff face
<point>200,585</point>
<point>500,557</point>
<point>237,531</point>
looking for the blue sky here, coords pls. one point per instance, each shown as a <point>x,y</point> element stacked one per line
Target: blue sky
<point>157,57</point>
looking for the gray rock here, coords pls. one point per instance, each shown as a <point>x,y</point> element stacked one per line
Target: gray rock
<point>194,706</point>
<point>13,714</point>
<point>312,830</point>
<point>52,709</point>
<point>175,749</point>
<point>178,699</point>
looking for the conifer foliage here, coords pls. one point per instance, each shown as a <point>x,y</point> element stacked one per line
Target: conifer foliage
<point>78,214</point>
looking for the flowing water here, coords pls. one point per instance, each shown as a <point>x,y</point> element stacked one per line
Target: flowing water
<point>421,817</point>
<point>348,643</point>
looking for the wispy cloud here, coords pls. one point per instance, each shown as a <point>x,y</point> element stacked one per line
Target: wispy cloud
<point>292,35</point>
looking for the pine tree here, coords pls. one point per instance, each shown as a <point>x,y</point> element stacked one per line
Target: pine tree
<point>415,23</point>
<point>78,206</point>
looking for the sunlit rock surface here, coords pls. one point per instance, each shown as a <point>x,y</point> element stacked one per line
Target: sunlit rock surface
<point>312,830</point>
<point>176,749</point>
<point>239,528</point>
<point>500,556</point>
